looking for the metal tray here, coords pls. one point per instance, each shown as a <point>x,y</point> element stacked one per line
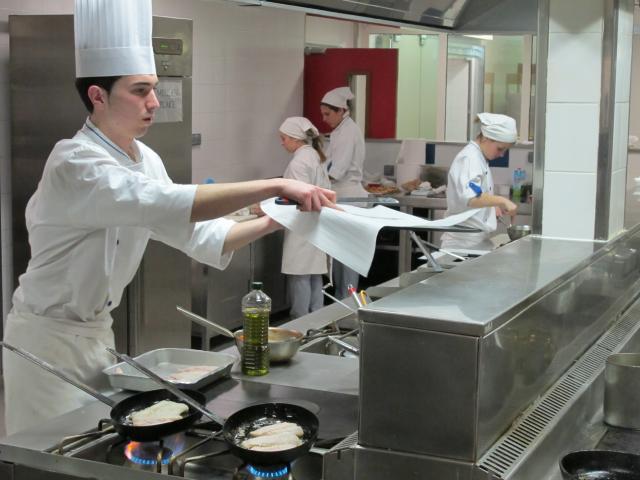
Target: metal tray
<point>170,361</point>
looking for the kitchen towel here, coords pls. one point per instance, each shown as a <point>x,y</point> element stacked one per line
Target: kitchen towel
<point>350,235</point>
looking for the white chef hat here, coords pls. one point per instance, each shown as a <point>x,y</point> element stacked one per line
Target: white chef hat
<point>297,127</point>
<point>500,128</point>
<point>338,97</point>
<point>113,38</point>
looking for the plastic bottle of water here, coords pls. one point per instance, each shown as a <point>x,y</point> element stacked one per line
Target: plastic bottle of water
<point>516,187</point>
<point>256,307</point>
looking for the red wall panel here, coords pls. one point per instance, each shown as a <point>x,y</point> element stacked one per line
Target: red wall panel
<point>325,71</point>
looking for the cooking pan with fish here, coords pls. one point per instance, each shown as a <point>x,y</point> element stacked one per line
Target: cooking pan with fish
<point>121,410</point>
<point>238,425</point>
<point>600,465</point>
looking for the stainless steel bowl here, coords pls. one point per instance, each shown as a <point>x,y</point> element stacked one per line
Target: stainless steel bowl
<point>283,343</point>
<point>518,231</point>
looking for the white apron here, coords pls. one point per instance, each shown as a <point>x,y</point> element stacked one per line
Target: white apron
<point>345,155</point>
<point>78,350</point>
<point>300,257</point>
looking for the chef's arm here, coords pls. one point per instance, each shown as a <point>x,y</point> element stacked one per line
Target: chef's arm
<point>243,233</point>
<point>217,200</point>
<point>488,200</point>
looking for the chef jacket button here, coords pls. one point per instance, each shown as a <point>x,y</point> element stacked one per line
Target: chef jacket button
<point>109,303</point>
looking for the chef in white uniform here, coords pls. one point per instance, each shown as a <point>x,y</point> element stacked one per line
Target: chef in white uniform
<point>470,184</point>
<point>303,263</point>
<point>345,156</point>
<point>103,194</point>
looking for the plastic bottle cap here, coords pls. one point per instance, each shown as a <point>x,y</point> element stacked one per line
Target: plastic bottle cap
<point>256,285</point>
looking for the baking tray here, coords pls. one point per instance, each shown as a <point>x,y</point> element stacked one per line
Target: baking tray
<point>171,361</point>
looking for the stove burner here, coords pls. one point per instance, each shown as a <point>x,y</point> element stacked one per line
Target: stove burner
<point>273,471</point>
<point>147,453</point>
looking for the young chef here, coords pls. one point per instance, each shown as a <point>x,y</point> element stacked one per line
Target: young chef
<point>303,263</point>
<point>345,156</point>
<point>102,196</point>
<point>470,183</point>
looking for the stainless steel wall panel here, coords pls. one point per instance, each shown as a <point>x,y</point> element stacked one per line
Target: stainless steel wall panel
<point>374,464</point>
<point>418,391</point>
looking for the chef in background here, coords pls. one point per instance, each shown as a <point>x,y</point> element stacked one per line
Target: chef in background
<point>303,263</point>
<point>345,157</point>
<point>103,194</point>
<point>470,184</point>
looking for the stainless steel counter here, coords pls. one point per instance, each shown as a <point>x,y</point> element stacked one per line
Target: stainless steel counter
<point>476,297</point>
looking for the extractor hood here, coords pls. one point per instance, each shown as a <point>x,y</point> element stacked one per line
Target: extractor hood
<point>452,14</point>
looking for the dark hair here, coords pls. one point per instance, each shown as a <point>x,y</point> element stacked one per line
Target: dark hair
<point>316,143</point>
<point>83,84</point>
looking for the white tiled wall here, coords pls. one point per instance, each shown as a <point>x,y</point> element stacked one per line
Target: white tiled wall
<point>572,117</point>
<point>247,77</point>
<point>572,199</point>
<point>572,149</point>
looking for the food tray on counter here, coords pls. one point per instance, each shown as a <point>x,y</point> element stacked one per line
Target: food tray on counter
<point>183,367</point>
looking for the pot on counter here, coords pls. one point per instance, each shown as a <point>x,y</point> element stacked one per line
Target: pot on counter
<point>283,343</point>
<point>622,390</point>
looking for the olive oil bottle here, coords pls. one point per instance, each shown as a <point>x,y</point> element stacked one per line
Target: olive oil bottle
<point>256,307</point>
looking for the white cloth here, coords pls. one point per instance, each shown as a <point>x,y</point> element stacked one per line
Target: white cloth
<point>470,167</point>
<point>299,257</point>
<point>498,127</point>
<point>338,97</point>
<point>345,155</point>
<point>89,222</point>
<point>349,236</point>
<point>113,37</point>
<point>297,127</point>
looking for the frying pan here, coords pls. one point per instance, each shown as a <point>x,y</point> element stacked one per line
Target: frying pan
<point>247,418</point>
<point>121,410</point>
<point>236,427</point>
<point>600,465</point>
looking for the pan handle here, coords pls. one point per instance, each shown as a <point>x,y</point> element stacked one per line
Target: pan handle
<point>50,368</point>
<point>204,322</point>
<point>167,385</point>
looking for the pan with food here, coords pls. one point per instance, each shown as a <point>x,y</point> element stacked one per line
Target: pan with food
<point>142,417</point>
<point>264,434</point>
<point>271,433</point>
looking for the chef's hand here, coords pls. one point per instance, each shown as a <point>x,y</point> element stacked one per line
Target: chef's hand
<point>310,197</point>
<point>507,207</point>
<point>256,209</point>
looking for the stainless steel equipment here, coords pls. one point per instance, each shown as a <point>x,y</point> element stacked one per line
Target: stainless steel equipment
<point>495,376</point>
<point>185,367</point>
<point>622,390</point>
<point>457,14</point>
<point>45,108</point>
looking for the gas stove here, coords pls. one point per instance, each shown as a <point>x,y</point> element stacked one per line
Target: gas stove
<point>78,446</point>
<point>197,453</point>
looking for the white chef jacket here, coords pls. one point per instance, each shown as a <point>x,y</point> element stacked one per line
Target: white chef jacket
<point>299,257</point>
<point>89,222</point>
<point>468,175</point>
<point>345,157</point>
